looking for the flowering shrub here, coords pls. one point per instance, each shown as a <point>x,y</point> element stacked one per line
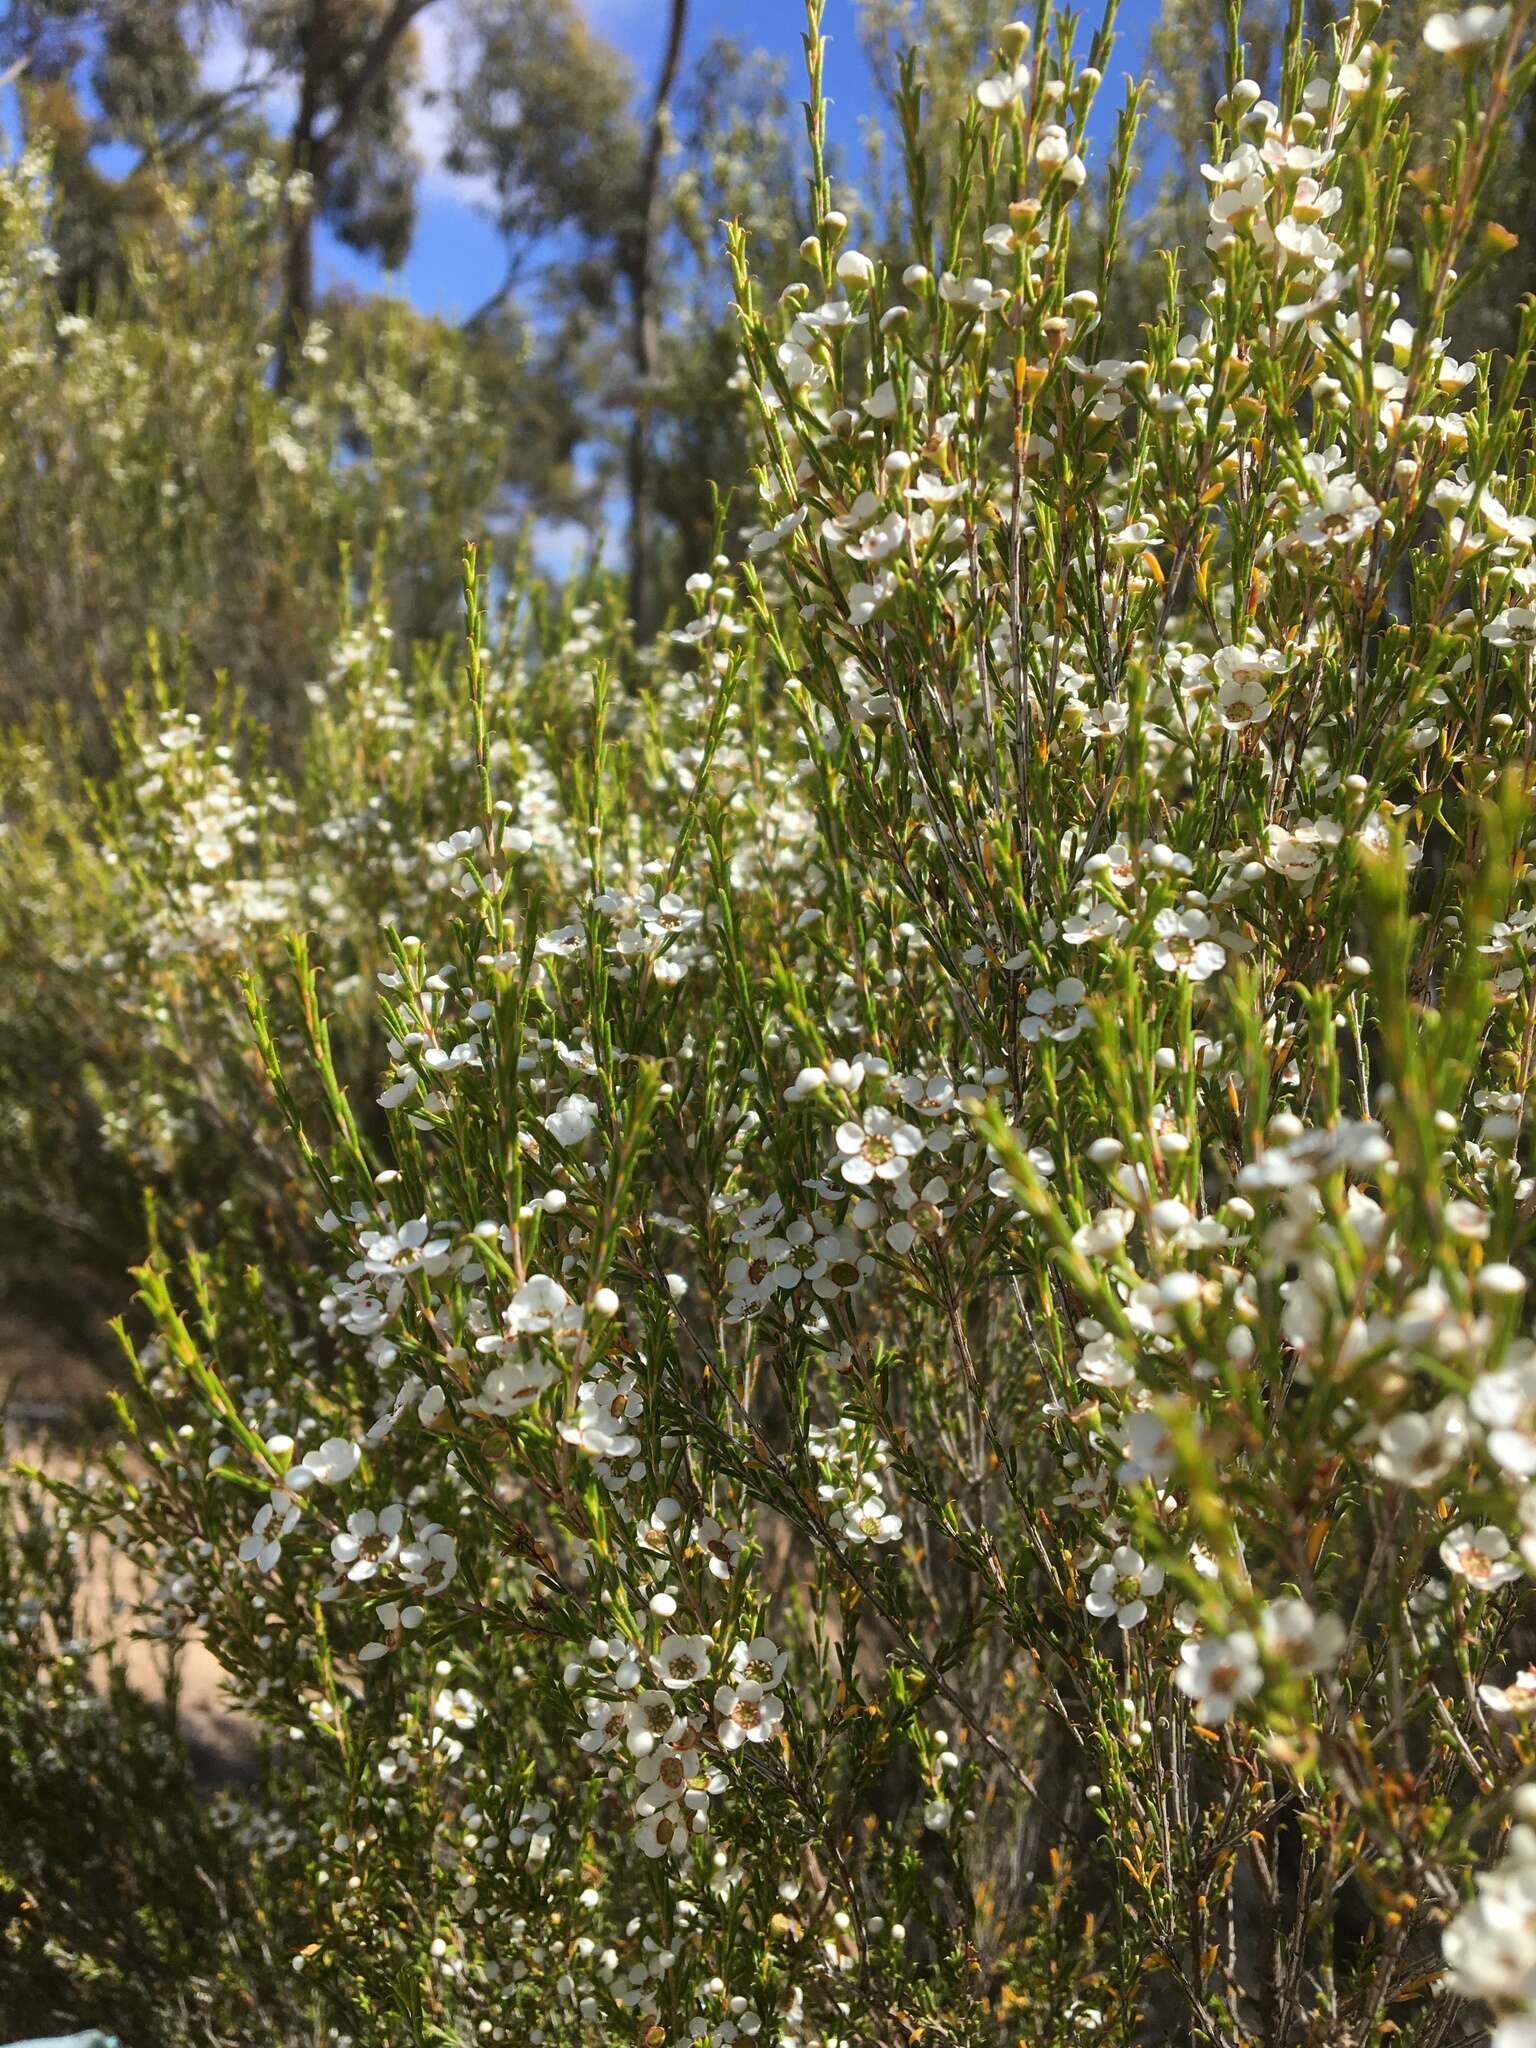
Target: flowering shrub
<point>906,1411</point>
<point>123,1890</point>
<point>152,475</point>
<point>131,904</point>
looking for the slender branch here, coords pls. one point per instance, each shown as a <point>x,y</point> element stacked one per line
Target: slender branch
<point>363,83</point>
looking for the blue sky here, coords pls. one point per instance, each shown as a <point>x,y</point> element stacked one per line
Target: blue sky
<point>455,260</point>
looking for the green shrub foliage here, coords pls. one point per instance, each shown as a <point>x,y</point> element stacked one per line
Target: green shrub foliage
<point>836,1337</point>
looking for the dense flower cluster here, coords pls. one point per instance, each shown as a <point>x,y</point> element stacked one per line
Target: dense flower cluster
<point>903,1406</point>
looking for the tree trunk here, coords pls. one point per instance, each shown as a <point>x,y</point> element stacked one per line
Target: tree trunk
<point>299,253</point>
<point>643,329</point>
<point>315,152</point>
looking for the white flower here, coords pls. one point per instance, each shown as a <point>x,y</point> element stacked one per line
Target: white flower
<point>1120,1586</point>
<point>879,1148</point>
<point>879,540</point>
<point>747,1713</point>
<point>1304,242</point>
<point>1146,1448</point>
<point>457,1706</point>
<point>667,1833</point>
<point>929,1095</point>
<point>392,1619</point>
<point>1480,1556</point>
<point>1105,1234</point>
<point>1418,1450</point>
<point>1244,662</point>
<point>1238,195</point>
<point>1490,1946</point>
<point>1504,524</point>
<point>334,1462</point>
<point>769,538</point>
<point>1218,1673</point>
<point>721,1547</point>
<point>974,294</point>
<point>867,1519</point>
<point>651,1718</point>
<point>1342,516</point>
<point>430,1560</point>
<point>664,1774</point>
<point>1003,88</point>
<point>924,1218</point>
<point>760,1660</point>
<point>606,1725</point>
<point>799,367</point>
<point>681,1661</point>
<point>1292,854</point>
<point>1296,1636</point>
<point>534,1832</point>
<point>1505,1403</point>
<point>1468,1219</point>
<point>400,1091</point>
<point>1184,947</point>
<point>410,1249</point>
<point>539,1305</point>
<point>1103,1362</point>
<point>368,1541</point>
<point>1242,704</point>
<point>572,1121</point>
<point>510,1388</point>
<point>606,1409</point>
<point>263,1547</point>
<point>835,1263</point>
<point>1515,626</point>
<point>1518,1697</point>
<point>1452,35</point>
<point>865,599</point>
<point>1057,1013</point>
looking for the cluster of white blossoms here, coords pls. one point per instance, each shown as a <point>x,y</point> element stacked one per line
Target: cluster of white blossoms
<point>851,1486</point>
<point>963,1141</point>
<point>1491,1944</point>
<point>656,1712</point>
<point>195,830</point>
<point>665,933</point>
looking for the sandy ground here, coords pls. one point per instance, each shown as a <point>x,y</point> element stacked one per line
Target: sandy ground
<point>56,1398</point>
